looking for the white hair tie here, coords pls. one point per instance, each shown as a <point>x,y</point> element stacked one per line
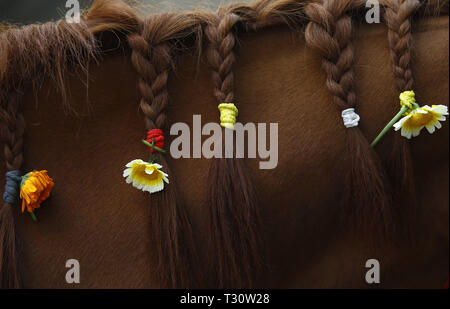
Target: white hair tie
<point>350,118</point>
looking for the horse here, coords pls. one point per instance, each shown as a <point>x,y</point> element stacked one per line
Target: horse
<point>86,94</point>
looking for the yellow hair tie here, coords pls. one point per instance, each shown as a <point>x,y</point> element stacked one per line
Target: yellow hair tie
<point>407,98</point>
<point>228,114</point>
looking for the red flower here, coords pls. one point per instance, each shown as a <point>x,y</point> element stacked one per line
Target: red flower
<point>158,138</point>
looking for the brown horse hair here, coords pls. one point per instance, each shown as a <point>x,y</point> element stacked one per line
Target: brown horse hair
<point>111,16</point>
<point>234,213</point>
<point>399,163</point>
<point>37,52</point>
<point>12,130</point>
<point>47,50</point>
<point>264,13</point>
<point>366,197</point>
<point>170,226</point>
<point>28,55</point>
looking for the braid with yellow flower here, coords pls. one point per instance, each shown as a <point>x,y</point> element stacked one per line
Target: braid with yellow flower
<point>147,176</point>
<point>415,118</point>
<point>170,228</point>
<point>398,15</point>
<point>399,165</point>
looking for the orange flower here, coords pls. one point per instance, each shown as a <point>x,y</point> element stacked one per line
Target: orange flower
<point>34,189</point>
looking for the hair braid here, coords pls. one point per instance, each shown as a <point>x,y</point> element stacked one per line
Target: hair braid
<point>235,219</point>
<point>399,165</point>
<point>397,15</point>
<point>330,33</point>
<point>12,131</point>
<point>221,56</point>
<point>171,228</point>
<point>153,64</point>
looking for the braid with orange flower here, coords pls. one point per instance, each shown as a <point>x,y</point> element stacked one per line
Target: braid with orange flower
<point>33,188</point>
<point>13,127</point>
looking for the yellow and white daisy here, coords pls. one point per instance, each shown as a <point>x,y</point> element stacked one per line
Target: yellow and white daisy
<point>421,117</point>
<point>145,176</point>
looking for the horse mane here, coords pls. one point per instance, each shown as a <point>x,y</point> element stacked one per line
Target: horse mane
<point>151,58</point>
<point>399,165</point>
<point>45,51</point>
<point>33,53</point>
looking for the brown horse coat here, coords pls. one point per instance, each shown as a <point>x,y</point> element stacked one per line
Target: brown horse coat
<point>93,216</point>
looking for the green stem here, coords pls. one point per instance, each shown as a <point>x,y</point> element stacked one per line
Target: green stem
<point>23,179</point>
<point>33,216</point>
<point>389,125</point>
<point>151,159</point>
<point>154,147</point>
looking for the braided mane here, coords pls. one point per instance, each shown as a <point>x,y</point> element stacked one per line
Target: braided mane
<point>33,53</point>
<point>12,130</point>
<point>330,33</point>
<point>170,225</point>
<point>399,165</point>
<point>234,213</point>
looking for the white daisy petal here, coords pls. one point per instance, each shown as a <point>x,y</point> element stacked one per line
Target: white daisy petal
<point>127,172</point>
<point>416,132</point>
<point>130,164</point>
<point>425,116</point>
<point>441,109</point>
<point>400,123</point>
<point>156,188</point>
<point>406,133</point>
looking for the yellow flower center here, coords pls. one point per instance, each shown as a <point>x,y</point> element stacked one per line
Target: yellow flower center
<point>140,174</point>
<point>419,120</point>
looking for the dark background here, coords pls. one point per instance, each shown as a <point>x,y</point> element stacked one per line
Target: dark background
<point>31,11</point>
